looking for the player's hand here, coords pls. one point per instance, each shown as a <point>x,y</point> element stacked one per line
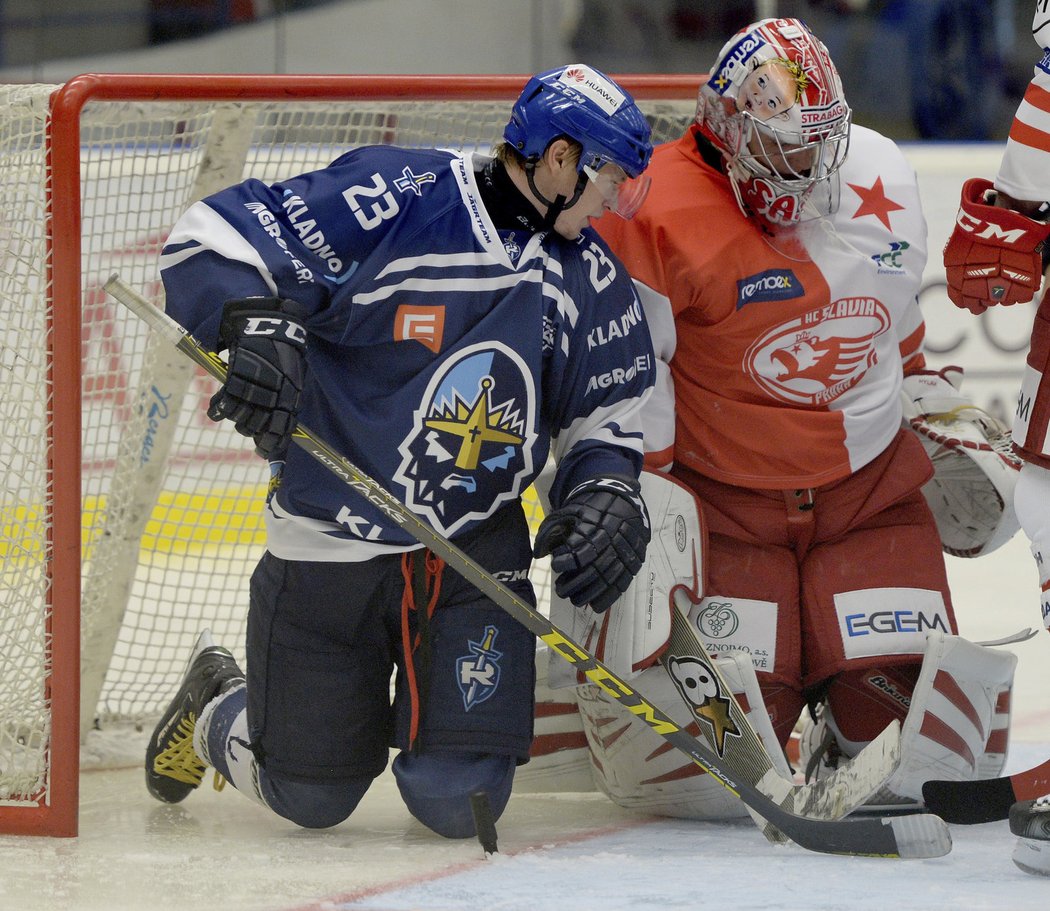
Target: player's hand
<point>596,540</point>
<point>993,254</point>
<point>267,366</point>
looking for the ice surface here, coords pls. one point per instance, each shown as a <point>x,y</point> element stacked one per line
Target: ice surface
<point>566,852</point>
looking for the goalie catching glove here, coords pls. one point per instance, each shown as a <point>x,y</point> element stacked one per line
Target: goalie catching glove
<point>971,493</point>
<point>267,366</point>
<point>597,540</point>
<point>993,254</point>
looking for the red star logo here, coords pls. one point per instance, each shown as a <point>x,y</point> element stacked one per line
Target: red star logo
<point>873,201</point>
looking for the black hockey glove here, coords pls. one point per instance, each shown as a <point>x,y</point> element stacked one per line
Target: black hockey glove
<point>267,365</point>
<point>596,540</point>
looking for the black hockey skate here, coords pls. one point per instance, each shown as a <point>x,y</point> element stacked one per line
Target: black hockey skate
<point>1030,820</point>
<point>173,766</point>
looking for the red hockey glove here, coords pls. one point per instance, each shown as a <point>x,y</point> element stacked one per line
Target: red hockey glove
<point>993,254</point>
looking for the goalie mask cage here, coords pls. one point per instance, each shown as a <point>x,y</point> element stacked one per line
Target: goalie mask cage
<point>129,521</point>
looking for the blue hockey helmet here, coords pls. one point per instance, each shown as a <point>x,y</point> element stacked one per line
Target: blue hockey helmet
<point>579,102</point>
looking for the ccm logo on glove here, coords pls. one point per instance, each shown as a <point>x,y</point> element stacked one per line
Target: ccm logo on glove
<point>269,325</point>
<point>266,372</point>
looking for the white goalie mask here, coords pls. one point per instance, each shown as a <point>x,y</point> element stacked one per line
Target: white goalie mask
<point>774,107</point>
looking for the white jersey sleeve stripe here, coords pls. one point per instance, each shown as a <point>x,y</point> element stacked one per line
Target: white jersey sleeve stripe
<point>436,261</point>
<point>601,424</point>
<point>438,285</point>
<point>201,221</point>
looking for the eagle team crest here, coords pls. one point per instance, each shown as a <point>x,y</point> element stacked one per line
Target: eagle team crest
<point>816,358</point>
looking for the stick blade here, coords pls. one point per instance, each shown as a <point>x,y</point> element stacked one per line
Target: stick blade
<point>970,802</point>
<point>484,822</point>
<point>853,782</point>
<point>920,835</point>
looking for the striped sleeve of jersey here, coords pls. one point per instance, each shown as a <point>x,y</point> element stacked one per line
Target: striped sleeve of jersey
<point>600,375</point>
<point>1025,169</point>
<point>302,238</point>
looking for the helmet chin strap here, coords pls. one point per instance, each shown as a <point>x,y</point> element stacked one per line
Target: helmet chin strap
<point>556,206</point>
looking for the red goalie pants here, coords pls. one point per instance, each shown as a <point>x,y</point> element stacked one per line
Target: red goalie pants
<point>831,589</point>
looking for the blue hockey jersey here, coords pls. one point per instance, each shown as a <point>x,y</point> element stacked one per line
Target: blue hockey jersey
<point>445,358</point>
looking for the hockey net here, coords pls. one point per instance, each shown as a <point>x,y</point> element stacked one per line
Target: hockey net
<point>128,521</point>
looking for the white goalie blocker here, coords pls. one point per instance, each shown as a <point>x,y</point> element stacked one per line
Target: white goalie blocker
<point>632,634</point>
<point>971,493</point>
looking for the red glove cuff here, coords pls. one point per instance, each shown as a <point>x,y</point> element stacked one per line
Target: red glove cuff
<point>993,255</point>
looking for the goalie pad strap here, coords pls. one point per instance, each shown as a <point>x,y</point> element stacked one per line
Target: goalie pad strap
<point>1031,424</point>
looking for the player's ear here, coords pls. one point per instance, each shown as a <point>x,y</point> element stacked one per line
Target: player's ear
<point>561,153</point>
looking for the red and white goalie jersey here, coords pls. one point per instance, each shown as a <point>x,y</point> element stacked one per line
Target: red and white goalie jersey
<point>790,349</point>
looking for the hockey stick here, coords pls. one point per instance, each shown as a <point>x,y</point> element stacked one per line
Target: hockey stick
<point>987,799</point>
<point>916,836</point>
<point>730,733</point>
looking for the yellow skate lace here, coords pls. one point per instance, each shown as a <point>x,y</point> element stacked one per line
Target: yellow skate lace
<point>178,759</point>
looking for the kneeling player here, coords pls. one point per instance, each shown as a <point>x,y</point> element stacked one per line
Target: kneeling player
<point>431,316</point>
<point>784,315</point>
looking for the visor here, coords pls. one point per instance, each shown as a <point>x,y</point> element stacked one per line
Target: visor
<point>622,194</point>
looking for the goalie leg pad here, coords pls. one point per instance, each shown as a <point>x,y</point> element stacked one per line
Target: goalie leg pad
<point>635,767</point>
<point>632,634</point>
<point>863,702</point>
<point>1032,501</point>
<point>954,717</point>
<point>559,759</point>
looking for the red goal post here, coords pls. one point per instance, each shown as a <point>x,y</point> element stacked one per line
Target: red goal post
<point>128,522</point>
